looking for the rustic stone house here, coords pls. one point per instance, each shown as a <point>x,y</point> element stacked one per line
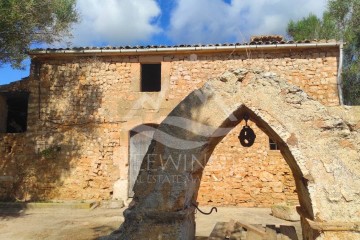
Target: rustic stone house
<point>79,126</point>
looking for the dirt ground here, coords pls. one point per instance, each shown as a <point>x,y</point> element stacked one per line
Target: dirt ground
<point>81,224</point>
<point>59,224</point>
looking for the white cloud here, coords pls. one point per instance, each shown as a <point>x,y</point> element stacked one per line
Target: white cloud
<point>212,21</point>
<point>115,22</point>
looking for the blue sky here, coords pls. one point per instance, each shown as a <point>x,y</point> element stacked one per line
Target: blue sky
<point>168,22</point>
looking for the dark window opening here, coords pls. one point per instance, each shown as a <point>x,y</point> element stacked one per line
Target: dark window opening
<point>150,77</point>
<point>273,145</point>
<point>14,112</point>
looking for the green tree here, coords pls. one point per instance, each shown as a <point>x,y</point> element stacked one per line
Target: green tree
<point>340,21</point>
<point>307,28</point>
<point>312,27</point>
<point>23,23</point>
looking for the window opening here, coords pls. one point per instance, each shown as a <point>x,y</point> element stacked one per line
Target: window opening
<point>273,145</point>
<point>151,77</point>
<point>14,111</point>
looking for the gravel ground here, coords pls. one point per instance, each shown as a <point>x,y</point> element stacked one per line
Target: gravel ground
<point>79,224</point>
<point>59,224</point>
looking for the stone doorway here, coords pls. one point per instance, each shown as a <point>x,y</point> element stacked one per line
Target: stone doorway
<point>308,137</point>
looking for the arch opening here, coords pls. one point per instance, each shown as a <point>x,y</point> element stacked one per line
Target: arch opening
<point>229,124</point>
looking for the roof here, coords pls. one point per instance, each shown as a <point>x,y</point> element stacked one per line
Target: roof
<point>186,48</point>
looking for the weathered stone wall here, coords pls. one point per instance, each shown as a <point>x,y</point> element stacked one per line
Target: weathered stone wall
<point>312,70</point>
<point>18,165</point>
<point>251,177</point>
<point>82,109</point>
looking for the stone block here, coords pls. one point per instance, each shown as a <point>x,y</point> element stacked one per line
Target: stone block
<point>285,211</point>
<point>266,176</point>
<point>112,204</point>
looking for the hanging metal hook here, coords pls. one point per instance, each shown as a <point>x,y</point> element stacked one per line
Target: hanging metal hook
<point>246,118</point>
<point>212,209</point>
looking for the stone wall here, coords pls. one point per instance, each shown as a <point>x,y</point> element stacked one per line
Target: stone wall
<point>248,177</point>
<point>312,70</point>
<point>82,109</point>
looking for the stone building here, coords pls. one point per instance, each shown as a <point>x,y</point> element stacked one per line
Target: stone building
<point>79,126</point>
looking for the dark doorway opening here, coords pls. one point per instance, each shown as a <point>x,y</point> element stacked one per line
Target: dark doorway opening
<point>16,111</point>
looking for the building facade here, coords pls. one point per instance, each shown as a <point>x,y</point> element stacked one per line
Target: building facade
<point>79,126</point>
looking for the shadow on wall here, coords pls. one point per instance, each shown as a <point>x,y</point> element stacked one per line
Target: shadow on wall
<point>62,116</point>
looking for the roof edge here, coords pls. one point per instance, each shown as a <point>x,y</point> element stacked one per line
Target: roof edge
<point>177,49</point>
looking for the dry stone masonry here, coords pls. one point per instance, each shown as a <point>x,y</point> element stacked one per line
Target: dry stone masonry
<point>251,177</point>
<point>83,106</point>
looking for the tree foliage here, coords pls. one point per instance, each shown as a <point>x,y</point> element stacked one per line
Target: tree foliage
<point>308,27</point>
<point>341,21</point>
<point>23,23</point>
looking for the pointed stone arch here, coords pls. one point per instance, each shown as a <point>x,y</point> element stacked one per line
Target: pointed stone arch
<point>310,139</point>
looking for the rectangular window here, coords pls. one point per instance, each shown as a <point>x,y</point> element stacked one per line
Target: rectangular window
<point>13,112</point>
<point>151,77</point>
<point>273,145</point>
